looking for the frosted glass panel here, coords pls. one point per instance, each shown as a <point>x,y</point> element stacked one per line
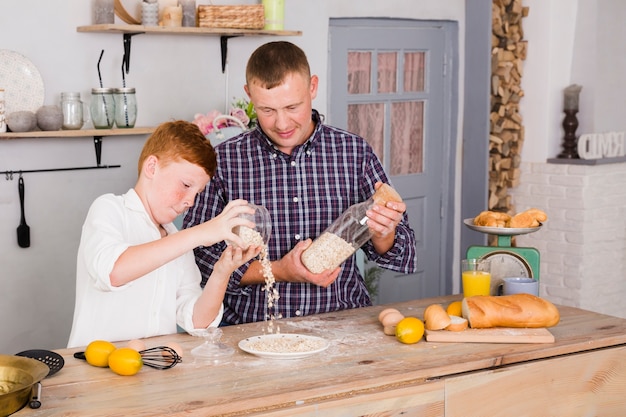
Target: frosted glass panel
<point>387,72</point>
<point>368,121</point>
<point>359,72</point>
<point>407,137</point>
<point>414,71</point>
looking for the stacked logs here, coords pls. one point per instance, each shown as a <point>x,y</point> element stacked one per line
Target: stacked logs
<point>506,129</point>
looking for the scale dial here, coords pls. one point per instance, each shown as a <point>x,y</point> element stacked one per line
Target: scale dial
<point>506,264</point>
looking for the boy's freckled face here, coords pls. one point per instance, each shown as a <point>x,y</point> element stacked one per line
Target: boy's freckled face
<point>174,189</point>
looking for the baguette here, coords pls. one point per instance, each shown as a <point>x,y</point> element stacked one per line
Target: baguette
<point>518,310</point>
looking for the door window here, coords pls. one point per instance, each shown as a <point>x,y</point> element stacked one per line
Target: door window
<point>386,112</point>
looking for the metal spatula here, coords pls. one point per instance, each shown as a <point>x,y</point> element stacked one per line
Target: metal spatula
<point>23,231</point>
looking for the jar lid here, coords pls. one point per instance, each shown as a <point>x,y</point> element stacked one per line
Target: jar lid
<point>101,90</point>
<point>124,90</point>
<point>70,95</point>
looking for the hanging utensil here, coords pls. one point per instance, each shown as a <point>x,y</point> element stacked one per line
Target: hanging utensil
<point>23,231</point>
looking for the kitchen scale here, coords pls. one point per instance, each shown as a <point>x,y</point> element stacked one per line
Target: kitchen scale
<point>506,260</point>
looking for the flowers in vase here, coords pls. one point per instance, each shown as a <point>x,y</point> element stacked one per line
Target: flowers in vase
<point>244,111</point>
<point>241,109</point>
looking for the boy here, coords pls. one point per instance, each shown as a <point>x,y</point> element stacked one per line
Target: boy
<point>136,275</point>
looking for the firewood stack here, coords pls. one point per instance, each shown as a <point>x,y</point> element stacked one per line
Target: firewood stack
<point>506,129</point>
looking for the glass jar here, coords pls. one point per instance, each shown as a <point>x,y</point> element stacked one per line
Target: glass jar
<point>346,234</point>
<point>72,109</point>
<point>125,107</point>
<point>102,108</point>
<point>103,11</point>
<point>260,235</point>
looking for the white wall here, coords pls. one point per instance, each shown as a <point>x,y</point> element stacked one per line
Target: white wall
<point>572,42</point>
<point>175,77</point>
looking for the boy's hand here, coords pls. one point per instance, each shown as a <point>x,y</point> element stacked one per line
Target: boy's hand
<point>221,226</point>
<point>233,257</point>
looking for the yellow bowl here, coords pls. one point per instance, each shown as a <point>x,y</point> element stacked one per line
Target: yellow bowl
<point>17,377</point>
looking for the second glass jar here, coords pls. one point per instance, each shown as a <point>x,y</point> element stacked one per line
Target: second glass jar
<point>102,108</point>
<point>125,107</point>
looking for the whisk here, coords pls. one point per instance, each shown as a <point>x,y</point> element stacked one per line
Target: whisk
<point>160,357</point>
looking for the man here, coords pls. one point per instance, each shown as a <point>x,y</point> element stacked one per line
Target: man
<point>306,174</point>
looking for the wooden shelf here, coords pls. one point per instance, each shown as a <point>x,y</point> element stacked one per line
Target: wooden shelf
<point>130,29</point>
<point>78,133</point>
<point>224,34</point>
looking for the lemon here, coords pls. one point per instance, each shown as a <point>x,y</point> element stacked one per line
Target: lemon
<point>97,353</point>
<point>454,309</point>
<point>410,330</point>
<point>125,361</point>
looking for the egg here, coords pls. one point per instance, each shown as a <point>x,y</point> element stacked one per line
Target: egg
<point>137,345</point>
<point>177,348</point>
<point>386,311</point>
<point>392,318</point>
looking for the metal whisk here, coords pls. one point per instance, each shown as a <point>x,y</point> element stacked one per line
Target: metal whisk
<point>160,357</point>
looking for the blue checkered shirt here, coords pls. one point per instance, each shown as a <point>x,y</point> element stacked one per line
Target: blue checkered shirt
<point>304,193</point>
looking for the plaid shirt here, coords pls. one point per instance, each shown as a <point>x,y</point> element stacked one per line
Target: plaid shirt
<point>304,193</point>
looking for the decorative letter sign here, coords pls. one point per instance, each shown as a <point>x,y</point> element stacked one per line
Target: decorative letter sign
<point>602,145</point>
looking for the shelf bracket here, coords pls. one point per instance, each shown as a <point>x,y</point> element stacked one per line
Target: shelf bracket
<point>127,39</point>
<point>224,49</point>
<point>97,142</point>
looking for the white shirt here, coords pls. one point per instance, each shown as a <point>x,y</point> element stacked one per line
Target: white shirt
<point>149,306</point>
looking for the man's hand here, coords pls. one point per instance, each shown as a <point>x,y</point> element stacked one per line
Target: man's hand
<point>291,269</point>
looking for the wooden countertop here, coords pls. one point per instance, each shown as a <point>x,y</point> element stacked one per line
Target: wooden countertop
<point>360,359</point>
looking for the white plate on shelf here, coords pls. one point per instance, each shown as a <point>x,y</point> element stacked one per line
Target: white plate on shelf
<point>21,81</point>
<point>501,231</point>
<point>283,346</point>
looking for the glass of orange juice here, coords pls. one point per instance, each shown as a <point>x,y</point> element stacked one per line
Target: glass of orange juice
<point>476,275</point>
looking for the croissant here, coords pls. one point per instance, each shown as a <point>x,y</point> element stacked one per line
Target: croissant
<point>529,218</point>
<point>492,219</point>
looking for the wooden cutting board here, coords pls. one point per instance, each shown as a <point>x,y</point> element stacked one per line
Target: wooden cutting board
<point>492,335</point>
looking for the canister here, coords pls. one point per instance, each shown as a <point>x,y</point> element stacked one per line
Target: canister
<point>149,13</point>
<point>103,11</point>
<point>260,235</point>
<point>102,108</point>
<point>274,14</point>
<point>72,109</point>
<point>346,234</point>
<point>189,12</point>
<point>125,107</point>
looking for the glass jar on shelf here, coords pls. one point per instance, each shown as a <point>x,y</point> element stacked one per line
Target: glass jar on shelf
<point>125,107</point>
<point>72,109</point>
<point>102,108</point>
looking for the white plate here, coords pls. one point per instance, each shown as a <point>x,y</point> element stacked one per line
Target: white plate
<point>501,231</point>
<point>22,82</point>
<point>252,345</point>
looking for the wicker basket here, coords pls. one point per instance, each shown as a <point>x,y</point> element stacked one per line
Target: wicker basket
<point>234,17</point>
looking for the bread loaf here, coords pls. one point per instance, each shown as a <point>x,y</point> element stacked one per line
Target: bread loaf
<point>518,310</point>
<point>384,194</point>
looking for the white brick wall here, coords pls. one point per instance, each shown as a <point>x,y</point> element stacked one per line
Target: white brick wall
<point>583,244</point>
